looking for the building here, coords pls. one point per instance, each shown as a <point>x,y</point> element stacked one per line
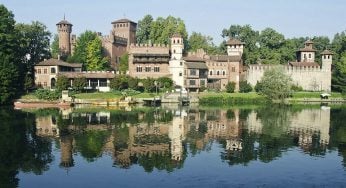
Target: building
<point>48,71</point>
<point>147,60</point>
<point>195,73</point>
<point>66,41</point>
<point>305,72</point>
<point>117,43</point>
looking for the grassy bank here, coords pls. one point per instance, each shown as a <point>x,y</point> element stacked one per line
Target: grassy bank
<point>110,95</point>
<point>222,98</point>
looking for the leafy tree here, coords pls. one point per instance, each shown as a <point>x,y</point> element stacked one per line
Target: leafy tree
<point>165,82</point>
<point>144,29</point>
<point>119,82</point>
<point>258,87</point>
<point>199,41</point>
<point>133,83</point>
<point>339,75</point>
<point>149,85</point>
<point>28,83</point>
<point>276,84</point>
<point>81,49</point>
<point>55,51</point>
<point>124,63</point>
<point>35,38</point>
<point>62,83</point>
<point>269,38</point>
<point>244,87</point>
<point>230,87</point>
<point>79,83</point>
<point>10,57</point>
<point>94,58</point>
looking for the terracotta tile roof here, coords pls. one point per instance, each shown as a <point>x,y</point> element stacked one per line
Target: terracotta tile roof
<point>195,65</point>
<point>307,50</point>
<point>301,64</point>
<point>124,20</point>
<point>56,62</point>
<point>64,22</point>
<point>327,52</point>
<point>233,41</point>
<point>193,59</point>
<point>177,35</point>
<point>224,58</point>
<point>89,74</point>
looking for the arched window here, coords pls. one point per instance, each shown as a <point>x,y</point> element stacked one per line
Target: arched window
<point>211,73</point>
<point>174,51</point>
<point>178,41</point>
<point>217,73</point>
<point>223,73</point>
<point>52,83</point>
<point>173,41</point>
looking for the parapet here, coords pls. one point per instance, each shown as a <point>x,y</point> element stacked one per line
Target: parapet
<point>149,48</point>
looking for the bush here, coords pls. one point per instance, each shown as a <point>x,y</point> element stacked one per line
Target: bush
<point>119,82</point>
<point>46,94</point>
<point>79,84</point>
<point>244,87</point>
<point>296,88</point>
<point>165,82</point>
<point>62,83</point>
<point>230,87</point>
<point>258,87</point>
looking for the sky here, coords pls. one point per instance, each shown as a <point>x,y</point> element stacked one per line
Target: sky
<point>293,18</point>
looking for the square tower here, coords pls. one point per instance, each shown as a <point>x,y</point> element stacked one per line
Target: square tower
<point>306,54</point>
<point>126,29</point>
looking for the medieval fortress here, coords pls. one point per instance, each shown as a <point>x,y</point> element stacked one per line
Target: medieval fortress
<point>192,71</point>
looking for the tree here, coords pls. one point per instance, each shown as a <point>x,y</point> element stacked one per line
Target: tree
<point>124,63</point>
<point>339,75</point>
<point>165,82</point>
<point>230,87</point>
<point>276,84</point>
<point>94,58</point>
<point>10,57</point>
<point>62,83</point>
<point>119,82</point>
<point>199,41</point>
<point>82,43</point>
<point>55,51</point>
<point>269,38</point>
<point>144,29</point>
<point>79,84</point>
<point>149,85</point>
<point>244,87</point>
<point>35,38</point>
<point>28,83</point>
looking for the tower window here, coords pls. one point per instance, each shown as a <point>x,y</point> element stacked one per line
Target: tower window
<point>173,51</point>
<point>217,73</point>
<point>328,56</point>
<point>309,55</point>
<point>181,63</point>
<point>178,41</point>
<point>223,73</point>
<point>52,70</point>
<point>211,73</point>
<point>173,41</point>
<point>139,69</point>
<point>180,74</point>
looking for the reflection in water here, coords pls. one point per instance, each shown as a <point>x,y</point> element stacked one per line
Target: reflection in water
<point>162,138</point>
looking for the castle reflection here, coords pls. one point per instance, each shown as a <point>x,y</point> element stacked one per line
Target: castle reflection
<point>162,138</point>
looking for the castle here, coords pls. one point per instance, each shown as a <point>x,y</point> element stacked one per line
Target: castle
<point>197,70</point>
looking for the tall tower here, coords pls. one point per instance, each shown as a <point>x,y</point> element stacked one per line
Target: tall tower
<point>64,31</point>
<point>235,47</point>
<point>327,60</point>
<point>176,64</point>
<point>177,47</point>
<point>306,54</point>
<point>125,28</point>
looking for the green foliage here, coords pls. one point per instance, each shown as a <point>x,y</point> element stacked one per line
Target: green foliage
<point>339,75</point>
<point>124,63</point>
<point>10,57</point>
<point>199,41</point>
<point>94,58</point>
<point>119,82</point>
<point>232,99</point>
<point>230,87</point>
<point>28,83</point>
<point>244,87</point>
<point>296,88</point>
<point>149,85</point>
<point>165,82</point>
<point>160,30</point>
<point>35,43</point>
<point>276,84</point>
<point>81,49</point>
<point>46,94</point>
<point>133,83</point>
<point>258,87</point>
<point>55,51</point>
<point>62,83</point>
<point>79,83</point>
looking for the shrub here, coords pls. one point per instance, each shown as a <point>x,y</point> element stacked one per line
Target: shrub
<point>46,94</point>
<point>230,87</point>
<point>296,88</point>
<point>62,83</point>
<point>165,82</point>
<point>258,87</point>
<point>244,87</point>
<point>119,82</point>
<point>79,84</point>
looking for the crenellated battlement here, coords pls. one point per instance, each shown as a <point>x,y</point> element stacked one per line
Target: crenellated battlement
<point>149,48</point>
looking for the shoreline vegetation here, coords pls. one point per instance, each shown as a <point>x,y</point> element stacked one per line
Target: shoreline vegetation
<point>205,98</point>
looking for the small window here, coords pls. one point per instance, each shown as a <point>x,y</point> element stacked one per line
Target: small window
<point>202,82</point>
<point>193,72</point>
<point>192,82</point>
<point>52,70</point>
<point>217,73</point>
<point>304,56</point>
<point>174,51</point>
<point>139,69</point>
<point>178,41</point>
<point>180,74</point>
<point>156,69</point>
<point>44,71</point>
<point>45,84</point>
<point>181,63</point>
<point>328,56</point>
<point>223,73</point>
<point>233,69</point>
<point>210,72</point>
<point>309,56</point>
<point>173,41</point>
<point>38,71</point>
<point>147,69</point>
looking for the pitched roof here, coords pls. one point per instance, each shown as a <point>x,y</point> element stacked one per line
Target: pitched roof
<point>64,22</point>
<point>124,20</point>
<point>90,74</point>
<point>177,35</point>
<point>308,42</point>
<point>307,50</point>
<point>193,59</point>
<point>327,52</point>
<point>224,58</point>
<point>306,64</point>
<point>56,62</point>
<point>233,41</point>
<point>195,65</point>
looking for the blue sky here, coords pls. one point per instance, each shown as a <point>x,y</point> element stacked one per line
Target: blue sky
<point>293,18</point>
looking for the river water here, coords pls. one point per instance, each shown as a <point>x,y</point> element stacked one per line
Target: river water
<point>171,146</point>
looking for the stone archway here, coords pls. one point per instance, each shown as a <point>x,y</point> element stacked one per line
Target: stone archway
<point>52,83</point>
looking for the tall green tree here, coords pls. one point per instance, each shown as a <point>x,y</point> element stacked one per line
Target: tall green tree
<point>144,29</point>
<point>276,84</point>
<point>124,63</point>
<point>10,57</point>
<point>55,47</point>
<point>81,49</point>
<point>199,41</point>
<point>94,57</point>
<point>36,43</point>
<point>339,75</point>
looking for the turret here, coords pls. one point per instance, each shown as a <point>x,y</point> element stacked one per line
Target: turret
<point>64,31</point>
<point>327,60</point>
<point>235,47</point>
<point>306,54</point>
<point>177,47</point>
